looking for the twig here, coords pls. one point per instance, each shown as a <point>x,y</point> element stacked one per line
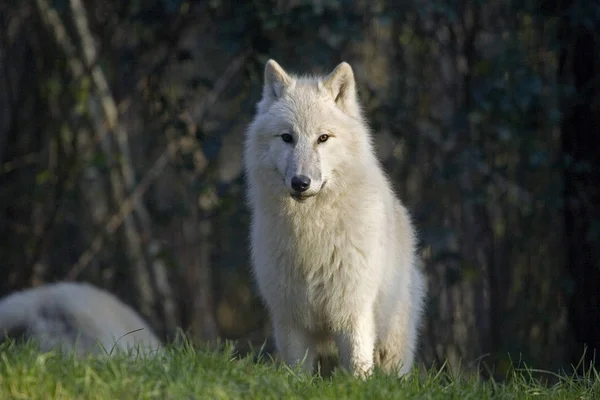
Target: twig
<point>19,162</point>
<point>115,221</point>
<point>50,16</point>
<point>196,115</point>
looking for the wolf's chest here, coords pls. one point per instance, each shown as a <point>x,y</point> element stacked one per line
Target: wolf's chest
<point>319,286</point>
<point>313,296</point>
<point>311,270</point>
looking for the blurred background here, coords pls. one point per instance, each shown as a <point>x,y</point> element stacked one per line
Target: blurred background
<point>121,127</point>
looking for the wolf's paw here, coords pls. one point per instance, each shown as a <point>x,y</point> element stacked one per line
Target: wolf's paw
<point>362,370</point>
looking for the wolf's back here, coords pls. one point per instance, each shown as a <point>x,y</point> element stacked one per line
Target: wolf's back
<point>74,316</point>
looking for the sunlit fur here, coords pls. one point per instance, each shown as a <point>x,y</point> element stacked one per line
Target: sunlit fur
<point>340,263</point>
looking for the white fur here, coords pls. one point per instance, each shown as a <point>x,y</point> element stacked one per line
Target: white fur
<point>340,263</point>
<point>75,316</point>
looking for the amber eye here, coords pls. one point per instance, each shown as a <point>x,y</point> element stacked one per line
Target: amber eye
<point>286,137</point>
<point>323,138</point>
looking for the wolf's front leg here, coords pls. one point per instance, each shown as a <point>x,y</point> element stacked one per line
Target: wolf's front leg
<point>356,346</point>
<point>295,346</point>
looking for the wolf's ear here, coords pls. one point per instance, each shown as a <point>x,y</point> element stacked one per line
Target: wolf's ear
<point>342,86</point>
<point>276,81</point>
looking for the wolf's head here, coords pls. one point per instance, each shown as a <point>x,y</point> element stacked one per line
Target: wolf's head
<point>307,132</point>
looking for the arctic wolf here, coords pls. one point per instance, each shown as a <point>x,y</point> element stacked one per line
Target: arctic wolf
<point>74,316</point>
<point>333,249</point>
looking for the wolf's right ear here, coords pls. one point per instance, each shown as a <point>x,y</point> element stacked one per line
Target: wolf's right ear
<point>276,81</point>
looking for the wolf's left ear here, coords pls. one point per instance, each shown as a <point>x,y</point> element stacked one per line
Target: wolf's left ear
<point>342,86</point>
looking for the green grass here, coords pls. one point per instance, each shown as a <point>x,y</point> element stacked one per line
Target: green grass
<point>184,373</point>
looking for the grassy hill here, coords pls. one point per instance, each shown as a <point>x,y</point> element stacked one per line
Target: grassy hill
<point>185,373</point>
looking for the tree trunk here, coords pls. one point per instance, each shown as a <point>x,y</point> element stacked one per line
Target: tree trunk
<point>580,68</point>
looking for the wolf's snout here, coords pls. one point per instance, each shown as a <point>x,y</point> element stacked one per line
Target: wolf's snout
<point>300,183</point>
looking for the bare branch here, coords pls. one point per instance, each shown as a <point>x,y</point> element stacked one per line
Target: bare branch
<point>115,221</point>
<point>128,205</point>
<point>109,117</point>
<point>19,162</point>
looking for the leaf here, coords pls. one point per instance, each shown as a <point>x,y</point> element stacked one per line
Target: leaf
<point>43,177</point>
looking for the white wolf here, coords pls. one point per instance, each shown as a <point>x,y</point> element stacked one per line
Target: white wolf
<point>74,316</point>
<point>333,249</point>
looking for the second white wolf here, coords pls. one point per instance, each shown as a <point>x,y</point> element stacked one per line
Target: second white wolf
<point>333,249</point>
<point>75,317</point>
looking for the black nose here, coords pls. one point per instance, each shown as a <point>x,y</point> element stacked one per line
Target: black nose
<point>300,183</point>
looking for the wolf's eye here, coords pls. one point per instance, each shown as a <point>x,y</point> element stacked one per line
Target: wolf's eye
<point>286,137</point>
<point>323,138</point>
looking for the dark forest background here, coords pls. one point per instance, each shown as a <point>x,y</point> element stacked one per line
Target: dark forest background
<point>121,127</point>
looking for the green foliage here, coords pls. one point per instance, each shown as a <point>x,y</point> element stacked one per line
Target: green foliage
<point>184,372</point>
